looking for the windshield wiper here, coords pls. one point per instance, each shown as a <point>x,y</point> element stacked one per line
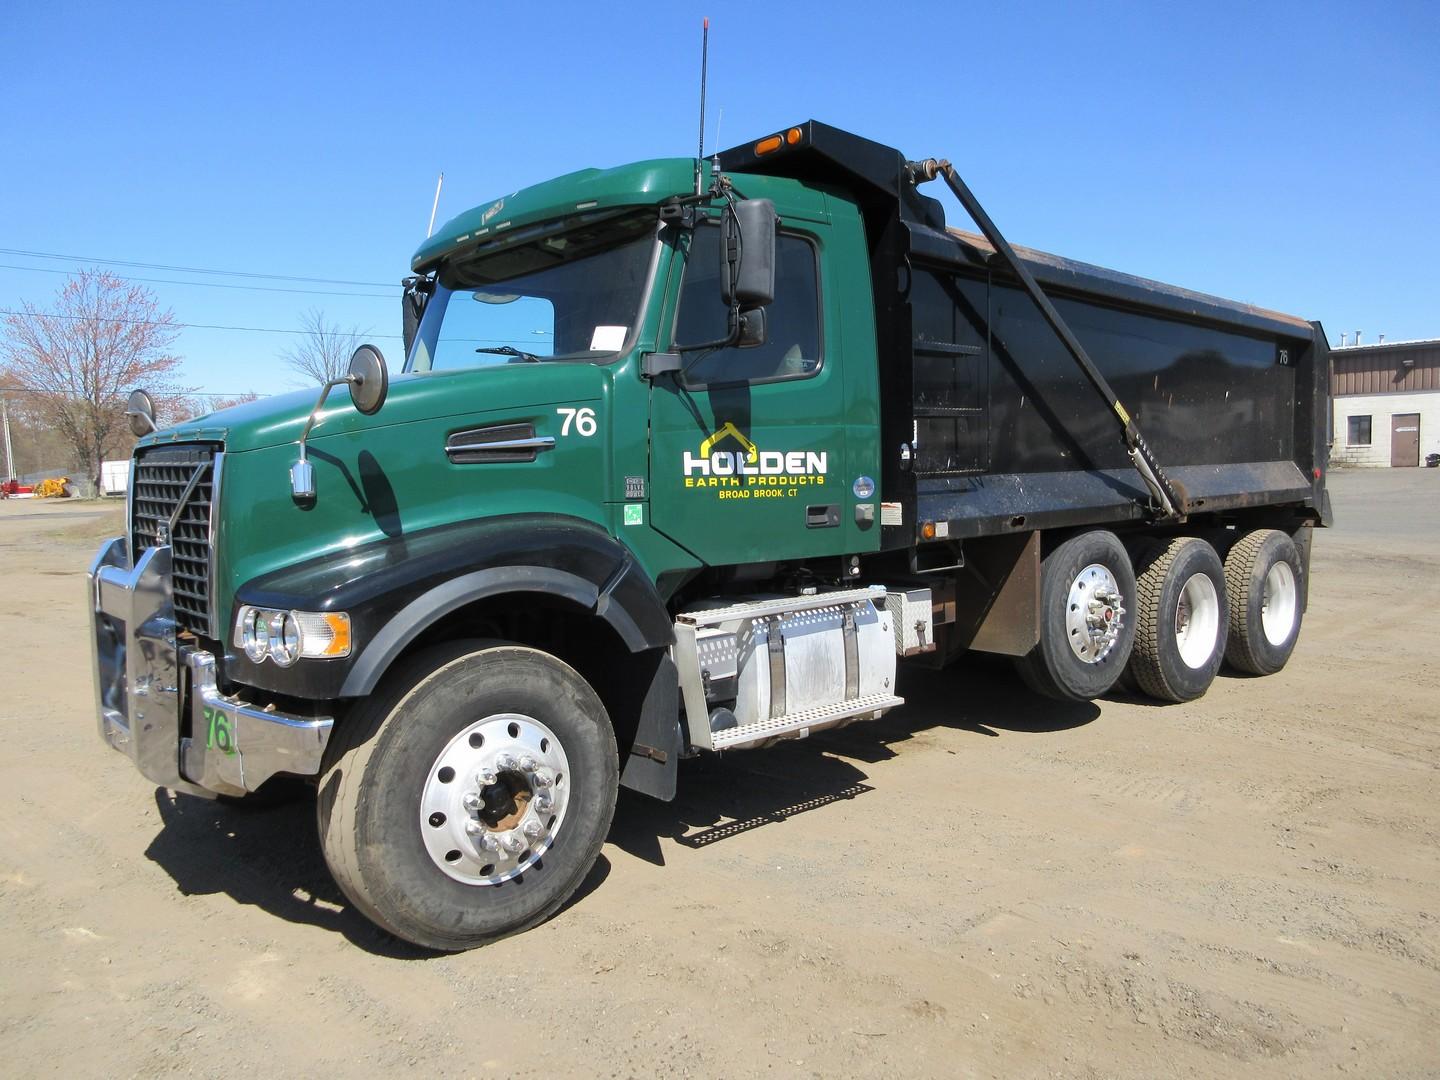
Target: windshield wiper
<point>510,350</point>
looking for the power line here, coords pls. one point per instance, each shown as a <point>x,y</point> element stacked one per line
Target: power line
<point>185,326</point>
<point>250,329</point>
<point>204,284</point>
<point>78,393</point>
<point>191,269</point>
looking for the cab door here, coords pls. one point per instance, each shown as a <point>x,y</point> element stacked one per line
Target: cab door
<point>748,446</point>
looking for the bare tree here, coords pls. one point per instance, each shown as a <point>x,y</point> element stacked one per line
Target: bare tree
<point>199,405</point>
<point>323,352</point>
<point>79,361</point>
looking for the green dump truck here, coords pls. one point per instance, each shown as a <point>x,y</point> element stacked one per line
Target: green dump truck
<point>683,457</point>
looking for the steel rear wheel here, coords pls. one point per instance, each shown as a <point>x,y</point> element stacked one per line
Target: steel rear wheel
<point>1263,576</point>
<point>469,797</point>
<point>1086,633</point>
<point>1180,619</point>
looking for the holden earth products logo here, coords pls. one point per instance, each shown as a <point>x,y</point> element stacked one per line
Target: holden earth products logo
<point>732,467</point>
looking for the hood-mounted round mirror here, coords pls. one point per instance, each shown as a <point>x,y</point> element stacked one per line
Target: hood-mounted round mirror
<point>141,411</point>
<point>369,379</point>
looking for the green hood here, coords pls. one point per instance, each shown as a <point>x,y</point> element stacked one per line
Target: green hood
<point>431,396</point>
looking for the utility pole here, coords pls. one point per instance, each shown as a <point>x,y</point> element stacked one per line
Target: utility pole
<point>9,451</point>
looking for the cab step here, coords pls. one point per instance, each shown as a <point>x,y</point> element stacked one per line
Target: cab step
<point>784,605</point>
<point>797,725</point>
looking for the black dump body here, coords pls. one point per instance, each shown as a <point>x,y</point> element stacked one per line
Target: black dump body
<point>989,427</point>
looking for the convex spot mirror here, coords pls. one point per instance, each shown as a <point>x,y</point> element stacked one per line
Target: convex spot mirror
<point>752,329</point>
<point>140,409</point>
<point>369,380</point>
<point>747,254</point>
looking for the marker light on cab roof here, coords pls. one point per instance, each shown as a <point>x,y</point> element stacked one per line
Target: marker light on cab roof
<point>777,142</point>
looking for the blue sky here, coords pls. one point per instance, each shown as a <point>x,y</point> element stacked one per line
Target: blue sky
<point>1283,154</point>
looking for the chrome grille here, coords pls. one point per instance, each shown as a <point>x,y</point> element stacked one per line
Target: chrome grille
<point>168,478</point>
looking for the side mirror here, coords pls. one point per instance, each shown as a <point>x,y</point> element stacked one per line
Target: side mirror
<point>752,329</point>
<point>417,294</point>
<point>747,254</point>
<point>369,380</point>
<point>141,411</point>
<point>369,383</point>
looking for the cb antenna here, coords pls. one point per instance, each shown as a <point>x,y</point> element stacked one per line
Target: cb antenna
<point>435,206</point>
<point>704,59</point>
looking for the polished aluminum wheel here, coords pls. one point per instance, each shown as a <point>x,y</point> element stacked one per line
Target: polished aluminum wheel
<point>1279,603</point>
<point>1197,621</point>
<point>494,799</point>
<point>1094,613</point>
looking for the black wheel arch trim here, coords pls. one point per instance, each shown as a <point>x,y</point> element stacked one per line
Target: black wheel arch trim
<point>395,588</point>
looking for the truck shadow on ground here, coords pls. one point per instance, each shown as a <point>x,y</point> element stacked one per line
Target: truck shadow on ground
<point>269,856</point>
<point>721,796</point>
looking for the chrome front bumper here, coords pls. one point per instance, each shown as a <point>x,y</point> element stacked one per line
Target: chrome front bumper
<point>146,689</point>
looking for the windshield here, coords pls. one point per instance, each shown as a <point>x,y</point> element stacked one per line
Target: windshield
<point>568,296</point>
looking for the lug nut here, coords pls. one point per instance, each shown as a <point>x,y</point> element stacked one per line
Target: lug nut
<point>487,777</point>
<point>534,830</point>
<point>473,829</point>
<point>527,764</point>
<point>513,843</point>
<point>542,780</point>
<point>472,801</point>
<point>506,763</point>
<point>544,804</point>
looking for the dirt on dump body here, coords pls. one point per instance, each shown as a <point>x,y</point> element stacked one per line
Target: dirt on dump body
<point>983,883</point>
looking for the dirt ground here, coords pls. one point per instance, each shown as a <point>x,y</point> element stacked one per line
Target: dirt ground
<point>981,884</point>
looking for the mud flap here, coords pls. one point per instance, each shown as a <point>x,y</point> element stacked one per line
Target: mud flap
<point>655,751</point>
<point>1302,537</point>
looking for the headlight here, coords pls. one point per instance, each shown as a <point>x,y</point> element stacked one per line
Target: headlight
<point>253,634</point>
<point>286,636</point>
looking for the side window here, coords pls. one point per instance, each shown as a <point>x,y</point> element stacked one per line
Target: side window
<point>792,346</point>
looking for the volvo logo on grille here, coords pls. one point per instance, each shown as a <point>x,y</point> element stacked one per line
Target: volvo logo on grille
<point>162,534</point>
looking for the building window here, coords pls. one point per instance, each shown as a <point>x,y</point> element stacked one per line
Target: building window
<point>1359,433</point>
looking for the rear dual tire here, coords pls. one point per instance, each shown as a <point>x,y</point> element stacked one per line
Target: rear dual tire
<point>1086,586</point>
<point>1181,619</point>
<point>1178,613</point>
<point>1265,580</point>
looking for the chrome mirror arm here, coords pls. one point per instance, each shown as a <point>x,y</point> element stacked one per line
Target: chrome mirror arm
<point>302,473</point>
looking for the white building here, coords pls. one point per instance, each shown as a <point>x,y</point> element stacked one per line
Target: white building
<point>1387,403</point>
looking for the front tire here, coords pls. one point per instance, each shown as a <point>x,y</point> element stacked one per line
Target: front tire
<point>1086,584</point>
<point>468,799</point>
<point>1263,577</point>
<point>1181,619</point>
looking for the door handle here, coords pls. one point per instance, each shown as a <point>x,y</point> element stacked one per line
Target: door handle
<point>822,517</point>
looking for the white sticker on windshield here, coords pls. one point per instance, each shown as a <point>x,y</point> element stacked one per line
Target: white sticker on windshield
<point>608,338</point>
